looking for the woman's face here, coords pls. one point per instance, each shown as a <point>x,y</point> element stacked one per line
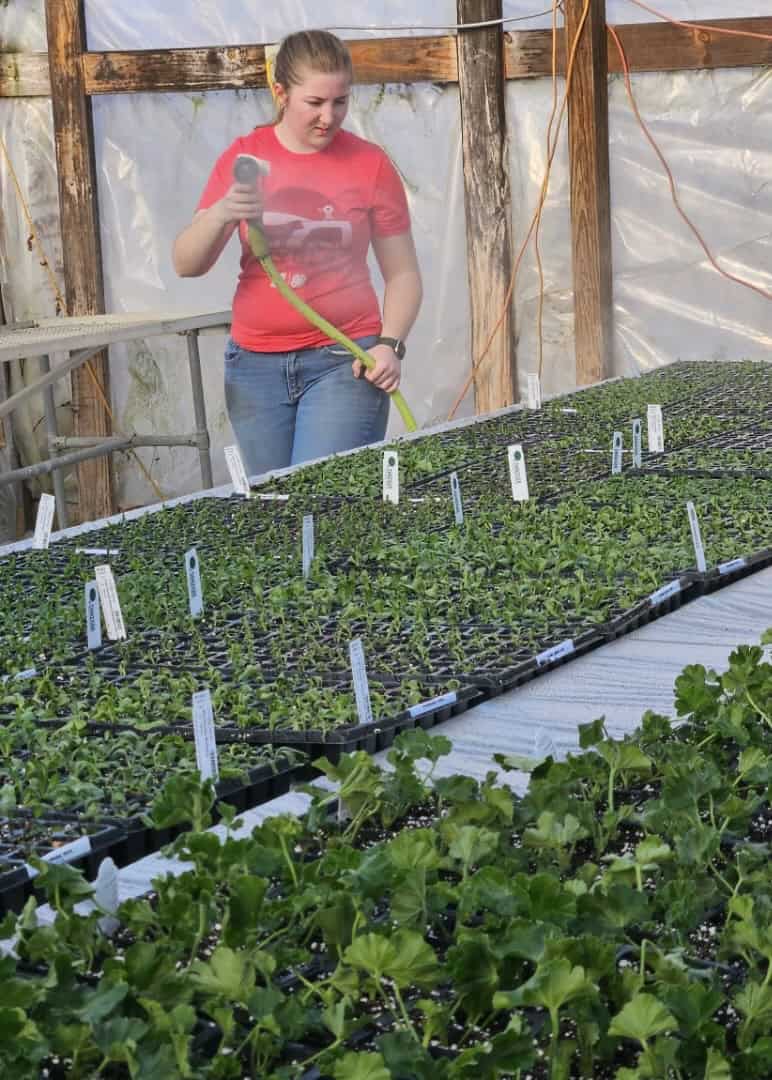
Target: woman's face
<point>313,110</point>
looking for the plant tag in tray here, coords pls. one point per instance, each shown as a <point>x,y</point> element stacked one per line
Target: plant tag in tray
<point>106,552</point>
<point>106,895</point>
<point>731,566</point>
<point>616,454</point>
<point>441,702</point>
<point>193,572</point>
<point>458,506</point>
<point>361,682</point>
<point>67,853</point>
<point>656,430</point>
<point>111,605</point>
<point>637,444</point>
<point>93,615</point>
<point>28,673</point>
<point>671,589</point>
<point>534,392</point>
<point>236,468</point>
<point>517,473</point>
<point>44,522</point>
<point>203,730</point>
<point>557,652</point>
<point>694,525</point>
<point>391,476</point>
<point>308,543</point>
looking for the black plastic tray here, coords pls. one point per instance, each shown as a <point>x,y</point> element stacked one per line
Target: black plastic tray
<point>16,884</point>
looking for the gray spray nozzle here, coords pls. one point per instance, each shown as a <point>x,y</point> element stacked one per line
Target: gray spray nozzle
<point>247,168</point>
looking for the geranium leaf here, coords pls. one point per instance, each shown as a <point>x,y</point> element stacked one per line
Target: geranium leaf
<point>643,1017</point>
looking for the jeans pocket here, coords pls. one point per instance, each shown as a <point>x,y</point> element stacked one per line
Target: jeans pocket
<point>232,351</point>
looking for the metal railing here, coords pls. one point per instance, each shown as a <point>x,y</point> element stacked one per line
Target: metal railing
<point>81,338</point>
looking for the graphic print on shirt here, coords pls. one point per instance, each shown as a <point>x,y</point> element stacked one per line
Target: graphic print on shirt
<point>305,234</point>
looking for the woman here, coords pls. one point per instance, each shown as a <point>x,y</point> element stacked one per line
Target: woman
<point>292,395</point>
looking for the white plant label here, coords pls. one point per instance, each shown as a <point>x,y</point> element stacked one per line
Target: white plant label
<point>203,731</point>
<point>699,550</point>
<point>671,589</point>
<point>731,566</point>
<point>361,682</point>
<point>391,476</point>
<point>273,496</point>
<point>518,474</point>
<point>433,704</point>
<point>93,615</point>
<point>534,392</point>
<point>67,853</point>
<point>656,430</point>
<point>106,895</point>
<point>111,605</point>
<point>616,454</point>
<point>236,468</point>
<point>637,444</point>
<point>455,491</point>
<point>308,543</point>
<point>108,552</point>
<point>557,652</point>
<point>44,522</point>
<point>28,673</point>
<point>193,574</point>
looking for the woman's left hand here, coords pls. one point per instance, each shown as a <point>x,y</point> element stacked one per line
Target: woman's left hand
<point>387,371</point>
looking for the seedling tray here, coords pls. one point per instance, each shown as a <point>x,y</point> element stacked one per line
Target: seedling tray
<point>87,845</point>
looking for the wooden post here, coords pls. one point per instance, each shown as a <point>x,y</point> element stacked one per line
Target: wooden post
<point>76,168</point>
<point>481,80</point>
<point>590,192</point>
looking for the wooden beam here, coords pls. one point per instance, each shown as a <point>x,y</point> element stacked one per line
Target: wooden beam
<point>590,191</point>
<point>488,203</point>
<point>388,60</point>
<point>24,75</point>
<point>76,170</point>
<point>527,53</point>
<point>658,46</point>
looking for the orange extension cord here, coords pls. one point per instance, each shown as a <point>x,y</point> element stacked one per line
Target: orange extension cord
<point>535,223</point>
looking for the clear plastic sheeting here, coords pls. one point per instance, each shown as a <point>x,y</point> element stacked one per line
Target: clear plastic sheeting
<point>154,152</point>
<point>26,128</point>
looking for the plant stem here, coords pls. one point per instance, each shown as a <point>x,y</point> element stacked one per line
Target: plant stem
<point>764,716</point>
<point>405,1014</point>
<point>289,862</point>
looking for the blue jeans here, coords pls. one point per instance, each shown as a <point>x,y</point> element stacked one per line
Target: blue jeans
<point>291,407</point>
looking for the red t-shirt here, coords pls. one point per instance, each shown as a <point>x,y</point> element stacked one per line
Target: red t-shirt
<point>320,212</point>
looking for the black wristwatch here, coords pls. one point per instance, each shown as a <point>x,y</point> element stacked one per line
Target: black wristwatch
<point>394,343</point>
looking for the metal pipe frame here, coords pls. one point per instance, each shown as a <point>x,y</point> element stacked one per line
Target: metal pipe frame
<point>52,431</point>
<point>77,442</point>
<point>199,409</point>
<point>86,448</point>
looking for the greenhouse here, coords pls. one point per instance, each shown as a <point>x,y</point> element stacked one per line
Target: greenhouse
<point>385,647</point>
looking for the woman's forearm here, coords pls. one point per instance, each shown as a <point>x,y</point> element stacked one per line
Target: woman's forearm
<point>199,246</point>
<point>401,303</point>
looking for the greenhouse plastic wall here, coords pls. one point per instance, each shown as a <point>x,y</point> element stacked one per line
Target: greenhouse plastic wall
<point>154,153</point>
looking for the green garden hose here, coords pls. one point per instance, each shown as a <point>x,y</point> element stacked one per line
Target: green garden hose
<point>247,172</point>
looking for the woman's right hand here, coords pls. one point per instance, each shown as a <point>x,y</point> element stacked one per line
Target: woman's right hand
<point>242,202</point>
